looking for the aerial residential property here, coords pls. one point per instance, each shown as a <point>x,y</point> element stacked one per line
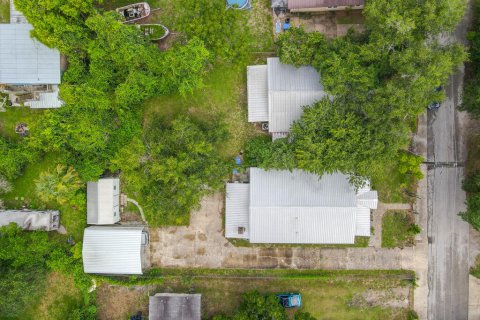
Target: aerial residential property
<point>239,159</point>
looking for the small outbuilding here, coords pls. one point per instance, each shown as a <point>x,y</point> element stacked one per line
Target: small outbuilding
<point>115,250</point>
<point>175,306</point>
<point>103,201</point>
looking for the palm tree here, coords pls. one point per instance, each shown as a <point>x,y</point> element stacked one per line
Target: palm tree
<point>59,185</point>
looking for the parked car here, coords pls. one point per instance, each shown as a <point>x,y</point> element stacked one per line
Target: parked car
<point>435,105</point>
<point>290,300</point>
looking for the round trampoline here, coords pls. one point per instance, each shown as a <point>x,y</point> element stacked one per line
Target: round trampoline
<point>238,4</point>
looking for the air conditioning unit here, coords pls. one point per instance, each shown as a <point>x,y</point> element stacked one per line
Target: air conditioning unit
<point>265,126</point>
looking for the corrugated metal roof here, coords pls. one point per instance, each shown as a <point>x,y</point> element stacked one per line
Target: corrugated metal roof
<point>103,199</point>
<point>302,4</point>
<point>175,306</point>
<point>282,188</point>
<point>278,92</point>
<point>329,225</point>
<point>257,93</point>
<point>368,199</point>
<point>112,250</point>
<point>237,203</point>
<point>15,15</point>
<point>285,77</point>
<point>24,60</point>
<point>362,225</point>
<point>285,107</point>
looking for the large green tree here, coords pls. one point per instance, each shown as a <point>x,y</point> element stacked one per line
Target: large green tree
<point>175,165</point>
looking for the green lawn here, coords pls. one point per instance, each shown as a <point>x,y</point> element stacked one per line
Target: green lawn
<point>59,299</point>
<point>23,193</point>
<point>325,294</point>
<point>4,11</point>
<point>393,186</point>
<point>13,116</point>
<point>396,230</point>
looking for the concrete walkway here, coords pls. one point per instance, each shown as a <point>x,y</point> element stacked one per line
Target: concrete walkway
<point>376,238</point>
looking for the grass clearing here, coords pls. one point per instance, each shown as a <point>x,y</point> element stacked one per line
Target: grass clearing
<point>473,159</point>
<point>60,298</point>
<point>325,294</point>
<point>393,186</point>
<point>15,115</point>
<point>4,11</point>
<point>397,229</point>
<point>24,194</point>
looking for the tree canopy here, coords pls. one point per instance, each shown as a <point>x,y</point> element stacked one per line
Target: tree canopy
<point>175,165</point>
<point>112,70</point>
<point>379,81</point>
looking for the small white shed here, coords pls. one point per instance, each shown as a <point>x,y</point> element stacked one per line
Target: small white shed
<point>103,201</point>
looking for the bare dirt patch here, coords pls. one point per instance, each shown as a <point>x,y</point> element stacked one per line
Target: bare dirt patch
<point>117,302</point>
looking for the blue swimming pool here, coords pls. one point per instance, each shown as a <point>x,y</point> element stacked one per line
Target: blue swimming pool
<point>238,3</point>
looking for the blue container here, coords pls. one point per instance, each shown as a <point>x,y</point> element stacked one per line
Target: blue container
<point>238,3</point>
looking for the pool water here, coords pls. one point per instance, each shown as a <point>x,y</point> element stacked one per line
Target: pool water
<point>239,3</point>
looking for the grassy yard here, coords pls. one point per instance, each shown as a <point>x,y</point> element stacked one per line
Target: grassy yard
<point>325,294</point>
<point>23,194</point>
<point>13,116</point>
<point>60,298</point>
<point>396,229</point>
<point>394,187</point>
<point>4,11</point>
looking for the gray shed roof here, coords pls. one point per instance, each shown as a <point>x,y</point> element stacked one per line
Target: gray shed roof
<point>24,60</point>
<point>282,188</point>
<point>103,199</point>
<point>237,205</point>
<point>112,250</point>
<point>299,207</point>
<point>175,306</point>
<point>257,93</point>
<point>288,89</point>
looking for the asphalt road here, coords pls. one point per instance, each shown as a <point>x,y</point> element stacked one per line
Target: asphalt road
<point>448,234</point>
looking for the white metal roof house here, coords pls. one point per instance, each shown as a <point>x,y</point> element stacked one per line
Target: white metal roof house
<point>28,65</point>
<point>278,92</point>
<point>114,250</point>
<point>103,201</point>
<point>297,207</point>
<point>175,306</point>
